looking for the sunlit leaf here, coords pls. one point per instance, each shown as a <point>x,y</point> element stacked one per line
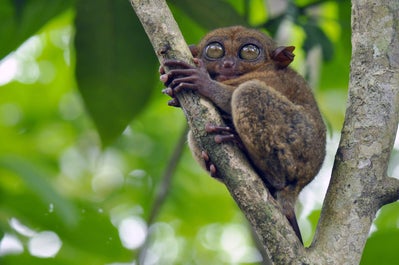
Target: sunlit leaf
<point>331,79</point>
<point>381,248</point>
<point>115,66</point>
<point>388,217</point>
<point>313,218</point>
<point>21,19</point>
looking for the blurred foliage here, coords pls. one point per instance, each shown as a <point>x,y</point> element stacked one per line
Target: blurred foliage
<point>86,136</point>
<point>107,52</point>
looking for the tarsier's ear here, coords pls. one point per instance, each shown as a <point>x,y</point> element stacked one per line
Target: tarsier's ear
<point>194,50</point>
<point>283,55</point>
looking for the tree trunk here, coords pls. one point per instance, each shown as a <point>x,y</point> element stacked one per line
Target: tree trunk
<point>359,184</point>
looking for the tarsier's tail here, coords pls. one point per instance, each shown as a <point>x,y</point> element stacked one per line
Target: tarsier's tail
<point>287,199</point>
<point>293,222</point>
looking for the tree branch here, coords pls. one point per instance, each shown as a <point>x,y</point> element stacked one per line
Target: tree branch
<point>278,239</point>
<point>166,178</point>
<point>389,191</point>
<point>358,186</point>
<point>163,190</point>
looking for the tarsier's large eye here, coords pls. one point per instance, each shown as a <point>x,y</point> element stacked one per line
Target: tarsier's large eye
<point>249,52</point>
<point>214,50</point>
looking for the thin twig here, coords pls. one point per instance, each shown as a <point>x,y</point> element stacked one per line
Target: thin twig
<point>164,186</point>
<point>163,189</point>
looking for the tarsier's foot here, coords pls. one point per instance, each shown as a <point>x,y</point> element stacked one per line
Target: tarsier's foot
<point>208,164</point>
<point>210,128</point>
<point>225,133</point>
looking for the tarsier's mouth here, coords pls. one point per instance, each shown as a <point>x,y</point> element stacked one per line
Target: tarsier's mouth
<point>226,76</point>
<point>222,78</point>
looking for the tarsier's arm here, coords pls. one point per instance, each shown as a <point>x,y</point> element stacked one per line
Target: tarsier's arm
<point>185,76</point>
<point>271,108</point>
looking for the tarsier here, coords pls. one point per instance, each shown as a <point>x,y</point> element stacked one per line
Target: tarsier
<point>269,109</point>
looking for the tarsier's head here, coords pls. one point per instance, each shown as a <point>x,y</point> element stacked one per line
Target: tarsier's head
<point>233,51</point>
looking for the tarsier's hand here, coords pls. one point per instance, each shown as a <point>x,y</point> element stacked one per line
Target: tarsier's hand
<point>185,76</point>
<point>164,78</point>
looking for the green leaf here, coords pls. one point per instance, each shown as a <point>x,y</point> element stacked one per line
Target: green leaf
<point>37,181</point>
<point>26,258</point>
<point>93,240</point>
<point>273,24</point>
<point>316,36</point>
<point>381,248</point>
<point>210,14</point>
<point>331,79</point>
<point>115,66</point>
<point>94,237</point>
<point>388,217</point>
<point>21,19</point>
<point>90,239</point>
<point>313,218</point>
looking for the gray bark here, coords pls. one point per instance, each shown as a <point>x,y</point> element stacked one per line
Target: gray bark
<point>359,185</point>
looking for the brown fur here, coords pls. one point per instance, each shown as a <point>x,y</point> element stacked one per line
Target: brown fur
<point>270,106</point>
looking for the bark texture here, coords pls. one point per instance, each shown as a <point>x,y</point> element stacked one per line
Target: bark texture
<point>359,185</point>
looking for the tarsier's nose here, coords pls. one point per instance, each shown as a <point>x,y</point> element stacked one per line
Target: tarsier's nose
<point>228,63</point>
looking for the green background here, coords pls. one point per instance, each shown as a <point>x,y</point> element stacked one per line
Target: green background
<point>86,135</point>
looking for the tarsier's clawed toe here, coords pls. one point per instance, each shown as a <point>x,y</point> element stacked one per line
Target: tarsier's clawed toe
<point>168,91</point>
<point>224,133</point>
<point>210,128</point>
<point>208,164</point>
<point>174,103</point>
